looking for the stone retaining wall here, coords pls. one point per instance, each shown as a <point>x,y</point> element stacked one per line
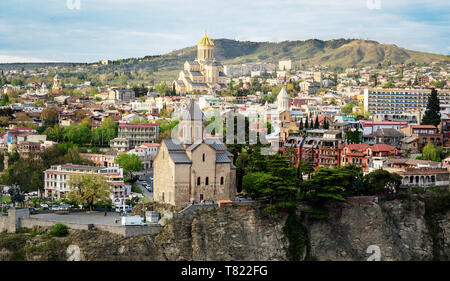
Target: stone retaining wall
<point>18,218</point>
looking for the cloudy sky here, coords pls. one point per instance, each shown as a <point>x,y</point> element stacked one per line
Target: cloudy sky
<point>56,30</point>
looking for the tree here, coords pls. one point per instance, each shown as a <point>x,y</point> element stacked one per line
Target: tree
<point>130,163</point>
<point>326,125</point>
<point>54,133</point>
<point>432,113</point>
<point>430,152</point>
<point>353,136</point>
<point>316,123</point>
<point>5,100</point>
<point>306,123</point>
<point>106,132</point>
<point>50,116</point>
<point>89,189</point>
<point>376,181</point>
<point>330,184</point>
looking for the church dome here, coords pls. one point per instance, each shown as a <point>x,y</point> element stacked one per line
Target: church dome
<point>206,41</point>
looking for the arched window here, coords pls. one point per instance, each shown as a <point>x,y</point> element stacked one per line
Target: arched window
<point>198,181</point>
<point>221,180</point>
<point>206,181</point>
<point>204,157</point>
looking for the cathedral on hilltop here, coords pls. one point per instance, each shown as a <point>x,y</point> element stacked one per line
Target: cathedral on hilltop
<point>202,74</point>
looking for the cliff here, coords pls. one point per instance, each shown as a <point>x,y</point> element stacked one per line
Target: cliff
<point>402,229</point>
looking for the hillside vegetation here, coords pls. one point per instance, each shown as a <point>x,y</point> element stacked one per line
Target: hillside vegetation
<point>339,52</point>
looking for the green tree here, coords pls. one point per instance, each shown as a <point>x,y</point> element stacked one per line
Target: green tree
<point>106,132</point>
<point>353,136</point>
<point>130,163</point>
<point>50,116</point>
<point>89,189</point>
<point>432,113</point>
<point>376,181</point>
<point>430,152</point>
<point>316,123</point>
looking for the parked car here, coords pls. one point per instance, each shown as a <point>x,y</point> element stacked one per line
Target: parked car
<point>128,209</point>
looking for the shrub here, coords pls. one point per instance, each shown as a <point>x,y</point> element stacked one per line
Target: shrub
<point>59,230</point>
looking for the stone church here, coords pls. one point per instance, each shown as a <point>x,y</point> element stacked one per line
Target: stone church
<point>202,74</point>
<point>193,168</point>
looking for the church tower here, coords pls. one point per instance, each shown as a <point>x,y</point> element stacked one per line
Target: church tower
<point>191,127</point>
<point>283,101</point>
<point>205,49</point>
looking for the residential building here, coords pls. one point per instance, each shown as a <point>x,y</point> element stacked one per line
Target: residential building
<point>56,179</point>
<point>400,101</point>
<point>424,134</point>
<point>138,133</point>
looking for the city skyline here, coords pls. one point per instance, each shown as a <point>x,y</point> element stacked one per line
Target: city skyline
<point>55,31</point>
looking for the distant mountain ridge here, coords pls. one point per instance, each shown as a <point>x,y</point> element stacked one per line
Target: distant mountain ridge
<point>339,52</point>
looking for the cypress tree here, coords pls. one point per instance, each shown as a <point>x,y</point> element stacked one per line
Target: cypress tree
<point>432,113</point>
<point>300,127</point>
<point>317,124</point>
<point>306,124</point>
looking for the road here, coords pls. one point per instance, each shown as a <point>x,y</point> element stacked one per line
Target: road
<point>146,176</point>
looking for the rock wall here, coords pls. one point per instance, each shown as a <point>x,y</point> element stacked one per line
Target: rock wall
<point>400,229</point>
<point>397,227</point>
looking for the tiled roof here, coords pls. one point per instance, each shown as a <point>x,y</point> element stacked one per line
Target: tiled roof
<point>222,158</point>
<point>179,158</point>
<point>171,146</point>
<point>216,144</point>
<point>382,147</point>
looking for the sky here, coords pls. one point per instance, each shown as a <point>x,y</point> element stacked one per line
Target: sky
<point>91,30</point>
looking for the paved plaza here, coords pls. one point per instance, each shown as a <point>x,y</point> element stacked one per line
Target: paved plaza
<point>82,218</point>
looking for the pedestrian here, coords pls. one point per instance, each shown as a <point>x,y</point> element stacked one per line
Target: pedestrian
<point>106,213</point>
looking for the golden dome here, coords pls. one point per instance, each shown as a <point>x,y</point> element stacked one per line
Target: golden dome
<point>206,41</point>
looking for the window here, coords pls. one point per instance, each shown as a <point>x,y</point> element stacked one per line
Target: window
<point>221,180</point>
<point>204,157</point>
<point>198,181</point>
<point>206,181</point>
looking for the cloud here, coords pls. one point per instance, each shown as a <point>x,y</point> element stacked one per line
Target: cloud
<point>135,28</point>
<point>15,59</point>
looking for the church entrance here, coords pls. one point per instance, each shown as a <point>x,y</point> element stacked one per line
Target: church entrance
<point>201,197</point>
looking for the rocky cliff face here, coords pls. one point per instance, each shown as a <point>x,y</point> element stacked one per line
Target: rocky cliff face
<point>221,234</point>
<point>400,229</point>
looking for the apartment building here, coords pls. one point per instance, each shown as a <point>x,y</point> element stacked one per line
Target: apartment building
<point>399,101</point>
<point>56,179</point>
<point>424,134</point>
<point>363,155</point>
<point>138,133</point>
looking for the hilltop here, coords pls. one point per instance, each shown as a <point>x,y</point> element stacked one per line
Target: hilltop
<point>339,52</point>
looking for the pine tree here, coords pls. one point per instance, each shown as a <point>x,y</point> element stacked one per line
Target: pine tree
<point>432,113</point>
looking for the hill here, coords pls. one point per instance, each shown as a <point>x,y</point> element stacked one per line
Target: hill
<point>332,53</point>
<point>339,52</point>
